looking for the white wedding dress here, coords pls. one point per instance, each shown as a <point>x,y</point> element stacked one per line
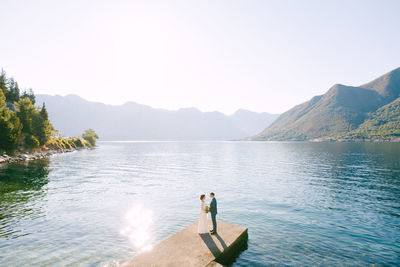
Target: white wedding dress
<point>203,223</point>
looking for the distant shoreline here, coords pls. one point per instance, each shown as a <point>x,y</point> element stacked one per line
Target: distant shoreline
<point>326,141</point>
<point>33,155</point>
<point>44,153</point>
<point>249,140</point>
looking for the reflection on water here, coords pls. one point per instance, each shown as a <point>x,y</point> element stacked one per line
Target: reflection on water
<point>27,176</point>
<point>138,221</point>
<point>305,204</point>
<point>21,186</point>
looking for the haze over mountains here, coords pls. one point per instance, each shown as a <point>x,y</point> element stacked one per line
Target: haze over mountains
<point>369,111</point>
<point>71,115</point>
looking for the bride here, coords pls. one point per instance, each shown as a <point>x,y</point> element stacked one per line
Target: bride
<point>203,224</point>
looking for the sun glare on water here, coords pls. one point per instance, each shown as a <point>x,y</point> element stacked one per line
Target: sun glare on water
<point>137,227</point>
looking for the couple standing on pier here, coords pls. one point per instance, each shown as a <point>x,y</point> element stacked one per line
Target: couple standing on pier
<point>203,223</point>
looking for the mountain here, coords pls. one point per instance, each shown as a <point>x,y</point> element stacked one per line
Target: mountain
<point>251,122</point>
<point>71,115</point>
<point>382,124</point>
<point>340,111</point>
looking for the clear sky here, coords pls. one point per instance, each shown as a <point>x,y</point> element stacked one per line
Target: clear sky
<point>213,55</point>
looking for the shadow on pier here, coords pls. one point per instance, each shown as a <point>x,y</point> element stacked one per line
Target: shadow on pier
<point>228,255</point>
<point>188,248</point>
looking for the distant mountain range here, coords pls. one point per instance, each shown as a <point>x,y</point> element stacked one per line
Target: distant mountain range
<point>369,111</point>
<point>71,115</point>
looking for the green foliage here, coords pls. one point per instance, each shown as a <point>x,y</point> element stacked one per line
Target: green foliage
<point>31,141</point>
<point>90,136</point>
<point>26,112</point>
<point>41,126</point>
<point>66,143</point>
<point>12,92</point>
<point>10,127</point>
<point>29,95</point>
<point>3,82</point>
<point>383,124</point>
<point>344,112</point>
<point>9,132</point>
<point>78,142</point>
<point>27,126</point>
<point>56,143</point>
<point>2,100</point>
<point>34,122</point>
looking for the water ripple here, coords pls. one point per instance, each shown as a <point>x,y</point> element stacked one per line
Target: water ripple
<point>304,203</point>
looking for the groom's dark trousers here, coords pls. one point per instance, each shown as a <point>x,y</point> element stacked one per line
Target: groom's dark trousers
<point>213,211</point>
<point>214,221</point>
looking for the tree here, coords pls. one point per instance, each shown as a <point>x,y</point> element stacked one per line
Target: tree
<point>10,126</point>
<point>31,141</point>
<point>12,94</point>
<point>41,126</point>
<point>10,130</point>
<point>26,112</point>
<point>90,136</point>
<point>3,103</point>
<point>22,124</point>
<point>43,112</point>
<point>29,95</point>
<point>3,81</point>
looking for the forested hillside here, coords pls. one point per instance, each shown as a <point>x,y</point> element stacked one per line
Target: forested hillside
<point>25,126</point>
<point>369,111</point>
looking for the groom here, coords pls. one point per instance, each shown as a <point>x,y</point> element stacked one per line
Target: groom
<point>213,211</point>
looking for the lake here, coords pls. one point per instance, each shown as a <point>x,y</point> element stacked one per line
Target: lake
<point>304,203</point>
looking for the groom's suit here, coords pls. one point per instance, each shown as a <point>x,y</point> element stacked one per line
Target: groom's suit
<point>213,211</point>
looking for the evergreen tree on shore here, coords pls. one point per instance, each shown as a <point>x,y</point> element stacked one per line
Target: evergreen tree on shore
<point>10,126</point>
<point>42,127</point>
<point>3,82</point>
<point>24,126</point>
<point>29,94</point>
<point>12,92</point>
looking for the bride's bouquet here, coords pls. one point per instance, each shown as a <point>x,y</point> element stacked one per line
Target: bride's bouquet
<point>207,209</point>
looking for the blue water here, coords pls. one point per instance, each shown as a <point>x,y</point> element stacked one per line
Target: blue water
<point>304,203</point>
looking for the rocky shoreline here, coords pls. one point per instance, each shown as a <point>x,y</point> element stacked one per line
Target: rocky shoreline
<point>26,156</point>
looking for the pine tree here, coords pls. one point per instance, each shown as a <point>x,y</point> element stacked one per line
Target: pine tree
<point>41,126</point>
<point>29,95</point>
<point>3,82</point>
<point>43,112</point>
<point>26,112</point>
<point>12,94</point>
<point>2,101</point>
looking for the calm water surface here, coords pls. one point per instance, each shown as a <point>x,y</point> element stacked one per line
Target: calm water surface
<point>304,203</point>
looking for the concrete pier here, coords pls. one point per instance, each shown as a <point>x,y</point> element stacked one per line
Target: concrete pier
<point>188,248</point>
